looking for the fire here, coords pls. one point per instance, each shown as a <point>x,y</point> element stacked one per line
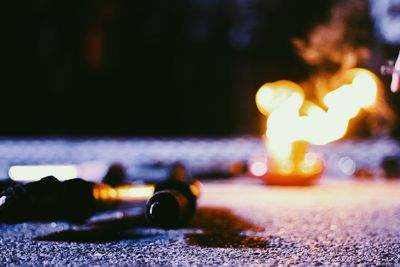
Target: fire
<point>294,122</point>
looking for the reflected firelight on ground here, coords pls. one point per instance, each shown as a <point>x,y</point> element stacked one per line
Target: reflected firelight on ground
<point>126,193</point>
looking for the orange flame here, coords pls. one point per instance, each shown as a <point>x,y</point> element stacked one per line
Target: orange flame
<point>294,122</point>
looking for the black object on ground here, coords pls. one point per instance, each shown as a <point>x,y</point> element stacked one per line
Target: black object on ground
<point>174,201</point>
<point>48,199</point>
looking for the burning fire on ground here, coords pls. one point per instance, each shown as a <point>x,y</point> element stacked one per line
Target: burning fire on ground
<point>293,122</point>
<point>339,92</point>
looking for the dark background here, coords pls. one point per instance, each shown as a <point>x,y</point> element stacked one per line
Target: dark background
<point>159,68</point>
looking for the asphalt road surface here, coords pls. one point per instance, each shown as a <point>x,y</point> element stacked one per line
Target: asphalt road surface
<point>239,222</point>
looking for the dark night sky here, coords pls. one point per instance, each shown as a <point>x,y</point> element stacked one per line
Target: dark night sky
<point>147,68</point>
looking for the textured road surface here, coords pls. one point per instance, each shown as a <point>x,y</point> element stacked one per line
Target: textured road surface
<point>238,222</point>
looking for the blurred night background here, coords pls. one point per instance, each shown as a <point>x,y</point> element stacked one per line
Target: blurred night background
<point>172,68</point>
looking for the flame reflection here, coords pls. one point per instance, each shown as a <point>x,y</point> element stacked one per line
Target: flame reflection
<point>126,193</point>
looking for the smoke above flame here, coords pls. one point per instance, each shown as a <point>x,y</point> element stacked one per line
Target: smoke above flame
<point>342,40</point>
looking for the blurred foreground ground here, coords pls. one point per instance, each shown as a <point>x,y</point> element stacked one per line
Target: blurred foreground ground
<point>238,222</point>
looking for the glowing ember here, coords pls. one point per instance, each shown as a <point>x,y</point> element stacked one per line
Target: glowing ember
<point>126,193</point>
<point>294,122</point>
